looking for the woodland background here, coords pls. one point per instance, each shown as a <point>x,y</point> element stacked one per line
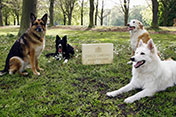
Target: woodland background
<point>87,12</point>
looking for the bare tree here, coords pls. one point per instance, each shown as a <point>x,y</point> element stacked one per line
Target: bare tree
<point>69,5</point>
<point>96,12</point>
<point>61,3</point>
<point>1,15</point>
<point>51,11</point>
<point>155,5</point>
<point>102,16</point>
<point>16,7</point>
<point>82,11</point>
<point>91,14</point>
<point>29,6</point>
<point>125,9</point>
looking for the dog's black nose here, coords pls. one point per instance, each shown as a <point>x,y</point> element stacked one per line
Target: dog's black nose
<point>39,29</point>
<point>128,24</point>
<point>132,59</point>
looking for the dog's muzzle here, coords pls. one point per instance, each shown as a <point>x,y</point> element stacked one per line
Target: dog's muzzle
<point>132,59</point>
<point>39,29</point>
<point>130,27</point>
<point>139,63</point>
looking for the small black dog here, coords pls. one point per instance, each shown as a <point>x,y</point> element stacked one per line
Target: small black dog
<point>63,50</point>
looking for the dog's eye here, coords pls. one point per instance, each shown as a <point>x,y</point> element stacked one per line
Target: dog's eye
<point>133,21</point>
<point>142,53</point>
<point>36,23</point>
<point>41,23</point>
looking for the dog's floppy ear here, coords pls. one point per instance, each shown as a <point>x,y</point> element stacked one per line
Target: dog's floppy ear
<point>150,45</point>
<point>140,43</point>
<point>141,25</point>
<point>32,17</point>
<point>65,38</point>
<point>44,18</point>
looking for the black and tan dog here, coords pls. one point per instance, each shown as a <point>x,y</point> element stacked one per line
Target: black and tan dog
<point>27,49</point>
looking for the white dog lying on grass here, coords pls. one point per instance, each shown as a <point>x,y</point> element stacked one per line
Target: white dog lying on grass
<point>149,73</point>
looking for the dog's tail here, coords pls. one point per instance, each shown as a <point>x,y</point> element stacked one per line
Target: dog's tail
<point>50,54</point>
<point>3,72</point>
<point>6,69</point>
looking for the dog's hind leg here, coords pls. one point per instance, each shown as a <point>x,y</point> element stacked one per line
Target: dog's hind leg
<point>124,89</point>
<point>16,65</point>
<point>141,94</point>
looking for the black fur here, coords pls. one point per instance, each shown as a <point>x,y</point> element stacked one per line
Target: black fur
<point>16,50</point>
<point>66,50</point>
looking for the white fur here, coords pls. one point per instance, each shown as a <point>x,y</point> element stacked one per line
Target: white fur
<point>65,61</point>
<point>153,76</point>
<point>2,73</point>
<point>135,33</point>
<point>39,50</point>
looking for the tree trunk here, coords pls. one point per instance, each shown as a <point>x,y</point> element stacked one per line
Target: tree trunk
<point>29,6</point>
<point>65,19</point>
<point>18,19</point>
<point>51,10</point>
<point>91,14</point>
<point>14,20</point>
<point>69,9</point>
<point>6,20</point>
<point>82,11</point>
<point>69,18</point>
<point>126,11</point>
<point>96,13</point>
<point>1,16</point>
<point>126,18</point>
<point>155,13</point>
<point>101,14</point>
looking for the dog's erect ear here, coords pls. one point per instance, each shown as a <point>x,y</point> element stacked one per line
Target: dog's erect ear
<point>32,17</point>
<point>140,43</point>
<point>57,37</point>
<point>141,25</point>
<point>44,18</point>
<point>150,45</point>
<point>65,38</point>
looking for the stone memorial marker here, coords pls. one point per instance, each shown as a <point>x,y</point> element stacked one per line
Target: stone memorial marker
<point>97,53</point>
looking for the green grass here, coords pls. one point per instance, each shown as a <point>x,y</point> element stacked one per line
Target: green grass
<point>74,89</point>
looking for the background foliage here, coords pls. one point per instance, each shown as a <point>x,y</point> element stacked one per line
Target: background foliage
<point>115,18</point>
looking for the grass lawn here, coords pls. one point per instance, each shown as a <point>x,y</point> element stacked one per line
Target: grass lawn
<point>74,89</point>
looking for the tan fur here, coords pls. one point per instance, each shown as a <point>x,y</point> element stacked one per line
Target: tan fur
<point>35,43</point>
<point>15,65</point>
<point>145,37</point>
<point>137,34</point>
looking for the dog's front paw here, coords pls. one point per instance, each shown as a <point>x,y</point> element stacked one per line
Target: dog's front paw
<point>40,69</point>
<point>66,60</point>
<point>129,100</point>
<point>37,73</point>
<point>111,94</point>
<point>24,73</point>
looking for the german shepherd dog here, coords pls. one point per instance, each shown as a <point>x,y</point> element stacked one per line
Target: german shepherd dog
<point>63,49</point>
<point>27,49</point>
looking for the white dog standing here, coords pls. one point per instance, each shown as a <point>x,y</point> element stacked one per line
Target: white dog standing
<point>137,32</point>
<point>149,73</point>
